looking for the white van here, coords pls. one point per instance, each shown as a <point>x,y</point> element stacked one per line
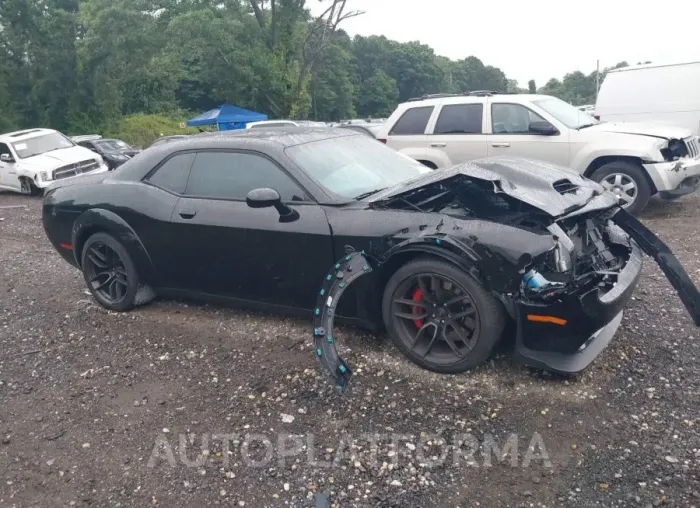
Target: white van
<point>664,94</point>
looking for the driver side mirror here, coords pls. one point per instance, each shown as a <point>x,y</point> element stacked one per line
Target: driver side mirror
<point>6,157</point>
<point>266,198</point>
<point>543,128</point>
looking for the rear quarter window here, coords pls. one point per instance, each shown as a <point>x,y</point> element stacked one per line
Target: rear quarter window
<point>412,122</point>
<point>172,175</point>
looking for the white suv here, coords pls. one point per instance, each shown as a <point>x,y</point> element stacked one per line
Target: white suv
<point>33,159</point>
<point>635,161</point>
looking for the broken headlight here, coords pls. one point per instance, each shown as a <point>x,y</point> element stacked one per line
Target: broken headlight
<point>676,149</point>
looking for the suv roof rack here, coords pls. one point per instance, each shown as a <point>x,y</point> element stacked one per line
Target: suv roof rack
<point>433,96</point>
<point>474,93</point>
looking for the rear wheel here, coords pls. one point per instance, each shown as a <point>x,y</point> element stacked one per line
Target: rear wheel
<point>110,273</point>
<point>627,181</point>
<point>440,317</point>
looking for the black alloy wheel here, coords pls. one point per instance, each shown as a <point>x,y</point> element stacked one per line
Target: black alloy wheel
<point>440,317</point>
<point>437,318</point>
<point>106,272</point>
<point>111,275</point>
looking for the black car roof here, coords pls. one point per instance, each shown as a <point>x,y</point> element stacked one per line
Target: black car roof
<point>261,140</point>
<point>244,137</point>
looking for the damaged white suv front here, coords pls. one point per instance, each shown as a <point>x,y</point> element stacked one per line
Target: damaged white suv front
<point>33,159</point>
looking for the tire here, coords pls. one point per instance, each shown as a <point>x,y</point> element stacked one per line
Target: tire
<point>30,189</point>
<point>124,291</point>
<point>624,173</point>
<point>483,322</point>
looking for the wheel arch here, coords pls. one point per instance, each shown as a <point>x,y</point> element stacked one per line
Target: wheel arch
<point>99,220</point>
<point>601,161</point>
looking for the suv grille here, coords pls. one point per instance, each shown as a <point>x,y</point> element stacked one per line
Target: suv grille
<point>692,145</point>
<point>75,169</point>
<point>565,186</point>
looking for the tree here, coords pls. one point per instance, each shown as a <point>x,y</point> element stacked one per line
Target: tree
<point>378,95</point>
<point>531,86</point>
<point>288,31</point>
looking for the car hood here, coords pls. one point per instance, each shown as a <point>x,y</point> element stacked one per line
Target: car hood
<point>643,129</point>
<point>57,158</point>
<point>553,189</point>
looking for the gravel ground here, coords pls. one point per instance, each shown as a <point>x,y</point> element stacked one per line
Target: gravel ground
<point>183,404</point>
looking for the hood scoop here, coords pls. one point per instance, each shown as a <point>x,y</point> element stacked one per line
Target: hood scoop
<point>565,186</point>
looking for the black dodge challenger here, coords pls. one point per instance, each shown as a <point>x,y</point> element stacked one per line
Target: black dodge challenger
<point>460,255</point>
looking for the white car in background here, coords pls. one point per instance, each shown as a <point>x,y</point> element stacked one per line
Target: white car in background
<point>31,160</point>
<point>634,161</point>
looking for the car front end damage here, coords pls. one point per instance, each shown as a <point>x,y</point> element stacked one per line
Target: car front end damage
<point>552,246</point>
<point>679,172</point>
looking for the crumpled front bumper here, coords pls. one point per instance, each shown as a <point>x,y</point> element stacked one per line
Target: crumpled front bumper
<point>677,178</point>
<point>591,321</point>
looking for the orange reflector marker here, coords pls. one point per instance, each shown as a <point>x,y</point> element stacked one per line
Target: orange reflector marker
<point>546,319</point>
<point>66,246</point>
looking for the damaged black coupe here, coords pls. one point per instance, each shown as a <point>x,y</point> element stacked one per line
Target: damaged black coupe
<point>452,257</point>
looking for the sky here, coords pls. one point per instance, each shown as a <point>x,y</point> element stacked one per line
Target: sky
<point>537,39</point>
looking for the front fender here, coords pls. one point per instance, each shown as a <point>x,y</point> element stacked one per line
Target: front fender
<point>495,268</point>
<point>99,220</point>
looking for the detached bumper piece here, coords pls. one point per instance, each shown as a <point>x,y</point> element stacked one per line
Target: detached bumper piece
<point>669,264</point>
<point>343,273</point>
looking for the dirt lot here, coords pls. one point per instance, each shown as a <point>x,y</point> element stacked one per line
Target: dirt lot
<point>182,404</point>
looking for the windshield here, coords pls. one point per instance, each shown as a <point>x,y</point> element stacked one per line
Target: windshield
<point>112,145</point>
<point>41,144</point>
<point>354,165</point>
<point>567,114</point>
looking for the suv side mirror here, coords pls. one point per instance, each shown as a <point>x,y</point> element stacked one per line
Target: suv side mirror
<point>266,198</point>
<point>6,157</point>
<point>543,128</point>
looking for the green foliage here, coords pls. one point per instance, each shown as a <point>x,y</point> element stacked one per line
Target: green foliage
<point>142,130</point>
<point>129,68</point>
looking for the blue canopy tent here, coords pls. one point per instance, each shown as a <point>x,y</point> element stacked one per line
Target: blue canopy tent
<point>226,117</point>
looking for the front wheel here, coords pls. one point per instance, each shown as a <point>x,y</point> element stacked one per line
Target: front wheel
<point>627,181</point>
<point>29,188</point>
<point>441,318</point>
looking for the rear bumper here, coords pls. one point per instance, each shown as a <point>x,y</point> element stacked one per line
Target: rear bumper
<point>590,321</point>
<point>675,178</point>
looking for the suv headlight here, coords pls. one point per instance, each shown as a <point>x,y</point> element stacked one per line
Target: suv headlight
<point>46,176</point>
<point>675,150</point>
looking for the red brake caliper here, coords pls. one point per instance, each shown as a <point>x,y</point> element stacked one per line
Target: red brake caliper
<point>417,311</point>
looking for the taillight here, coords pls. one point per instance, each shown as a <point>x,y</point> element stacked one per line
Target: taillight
<point>382,140</point>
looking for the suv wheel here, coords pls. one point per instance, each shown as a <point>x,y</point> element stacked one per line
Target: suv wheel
<point>627,181</point>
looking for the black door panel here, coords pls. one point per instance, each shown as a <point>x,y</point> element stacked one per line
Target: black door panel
<point>227,248</point>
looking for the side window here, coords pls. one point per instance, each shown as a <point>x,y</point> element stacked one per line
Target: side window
<point>4,149</point>
<point>233,175</point>
<point>460,119</point>
<point>172,175</point>
<point>413,121</point>
<point>512,119</point>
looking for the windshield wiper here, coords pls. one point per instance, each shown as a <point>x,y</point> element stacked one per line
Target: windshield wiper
<point>368,194</point>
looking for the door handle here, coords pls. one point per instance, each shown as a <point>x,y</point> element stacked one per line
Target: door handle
<point>500,145</point>
<point>187,214</point>
<point>438,145</point>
